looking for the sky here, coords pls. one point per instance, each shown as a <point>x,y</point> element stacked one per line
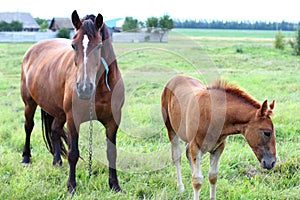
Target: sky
<point>237,10</point>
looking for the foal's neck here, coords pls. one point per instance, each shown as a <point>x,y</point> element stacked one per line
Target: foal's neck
<point>237,118</point>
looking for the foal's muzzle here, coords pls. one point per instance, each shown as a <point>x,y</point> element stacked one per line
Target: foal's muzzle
<point>84,89</point>
<point>268,161</point>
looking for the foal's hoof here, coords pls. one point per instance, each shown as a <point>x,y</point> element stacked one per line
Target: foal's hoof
<point>180,188</point>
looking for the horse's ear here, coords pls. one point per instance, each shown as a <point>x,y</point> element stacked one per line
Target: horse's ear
<point>263,109</point>
<point>272,105</point>
<point>76,20</point>
<point>99,21</point>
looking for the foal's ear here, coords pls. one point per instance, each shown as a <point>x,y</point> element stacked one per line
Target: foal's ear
<point>272,105</point>
<point>263,109</point>
<point>76,20</point>
<point>98,21</point>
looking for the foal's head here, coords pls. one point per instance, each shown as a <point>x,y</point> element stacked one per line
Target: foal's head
<point>87,44</point>
<point>260,135</point>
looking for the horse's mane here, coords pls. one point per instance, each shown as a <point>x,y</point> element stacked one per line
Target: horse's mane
<point>234,90</point>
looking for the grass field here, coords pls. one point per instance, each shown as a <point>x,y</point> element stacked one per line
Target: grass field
<point>144,152</point>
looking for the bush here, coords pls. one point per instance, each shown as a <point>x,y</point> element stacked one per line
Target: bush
<point>63,33</point>
<point>279,40</point>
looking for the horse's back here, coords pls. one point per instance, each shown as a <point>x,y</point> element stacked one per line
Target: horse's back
<point>45,52</point>
<point>179,93</point>
<point>45,67</point>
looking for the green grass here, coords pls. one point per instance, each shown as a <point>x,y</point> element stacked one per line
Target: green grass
<point>144,157</point>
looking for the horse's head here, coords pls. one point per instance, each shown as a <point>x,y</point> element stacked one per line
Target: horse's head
<point>260,135</point>
<point>87,44</point>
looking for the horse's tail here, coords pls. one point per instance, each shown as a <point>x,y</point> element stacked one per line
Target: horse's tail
<point>47,121</point>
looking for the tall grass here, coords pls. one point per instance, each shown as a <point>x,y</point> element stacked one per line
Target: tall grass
<point>144,157</point>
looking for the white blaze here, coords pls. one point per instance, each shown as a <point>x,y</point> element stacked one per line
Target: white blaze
<point>85,42</point>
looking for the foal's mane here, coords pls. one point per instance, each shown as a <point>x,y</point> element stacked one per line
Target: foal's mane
<point>234,90</point>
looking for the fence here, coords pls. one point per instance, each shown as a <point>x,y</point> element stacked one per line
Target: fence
<point>25,36</point>
<point>117,37</point>
<point>139,37</point>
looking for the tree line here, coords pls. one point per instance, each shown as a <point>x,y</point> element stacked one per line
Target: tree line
<point>245,25</point>
<point>13,26</point>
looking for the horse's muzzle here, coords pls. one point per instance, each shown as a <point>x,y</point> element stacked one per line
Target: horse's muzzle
<point>84,90</point>
<point>268,161</point>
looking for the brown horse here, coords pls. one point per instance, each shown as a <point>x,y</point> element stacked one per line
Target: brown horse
<point>67,79</point>
<point>204,116</point>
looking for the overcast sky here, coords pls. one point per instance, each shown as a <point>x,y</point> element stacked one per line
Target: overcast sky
<point>253,10</point>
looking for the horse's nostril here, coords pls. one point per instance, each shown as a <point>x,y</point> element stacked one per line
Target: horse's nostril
<point>273,164</point>
<point>264,164</point>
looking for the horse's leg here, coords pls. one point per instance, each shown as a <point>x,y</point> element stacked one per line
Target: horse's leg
<point>29,110</point>
<point>213,170</point>
<point>197,177</point>
<point>188,156</point>
<point>176,157</point>
<point>57,131</point>
<point>73,153</point>
<point>111,152</point>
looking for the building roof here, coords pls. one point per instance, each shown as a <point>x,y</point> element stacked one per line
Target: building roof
<point>25,18</point>
<point>57,23</point>
<point>114,22</point>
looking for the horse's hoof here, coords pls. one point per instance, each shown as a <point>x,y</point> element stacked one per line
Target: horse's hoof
<point>71,193</point>
<point>117,189</point>
<point>57,163</point>
<point>26,160</point>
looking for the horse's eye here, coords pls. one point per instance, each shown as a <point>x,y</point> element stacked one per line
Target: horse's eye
<point>267,133</point>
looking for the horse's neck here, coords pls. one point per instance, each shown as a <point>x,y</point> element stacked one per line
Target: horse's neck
<point>238,116</point>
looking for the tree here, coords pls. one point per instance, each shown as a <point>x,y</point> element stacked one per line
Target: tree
<point>166,24</point>
<point>152,23</point>
<point>296,44</point>
<point>13,26</point>
<point>43,24</point>
<point>279,40</point>
<point>63,33</point>
<point>130,24</point>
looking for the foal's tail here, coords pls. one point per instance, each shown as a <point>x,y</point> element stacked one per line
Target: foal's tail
<point>47,121</point>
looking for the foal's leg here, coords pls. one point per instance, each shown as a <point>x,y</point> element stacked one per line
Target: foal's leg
<point>188,156</point>
<point>213,171</point>
<point>176,157</point>
<point>111,152</point>
<point>176,152</point>
<point>197,177</point>
<point>29,110</point>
